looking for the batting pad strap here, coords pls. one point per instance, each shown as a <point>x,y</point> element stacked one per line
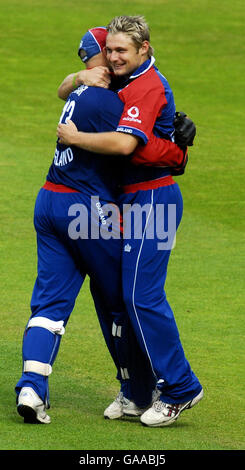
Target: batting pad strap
<point>39,367</point>
<point>116,330</point>
<point>55,327</point>
<point>124,373</point>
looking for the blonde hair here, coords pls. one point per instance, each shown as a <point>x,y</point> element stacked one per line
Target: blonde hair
<point>135,27</point>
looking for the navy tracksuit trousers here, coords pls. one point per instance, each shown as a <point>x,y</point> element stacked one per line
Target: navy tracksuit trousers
<point>153,222</point>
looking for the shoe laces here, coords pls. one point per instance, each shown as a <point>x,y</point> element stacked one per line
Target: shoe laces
<point>158,405</point>
<point>168,408</point>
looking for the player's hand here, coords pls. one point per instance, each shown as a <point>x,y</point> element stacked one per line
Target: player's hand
<point>97,76</point>
<point>185,130</point>
<point>67,133</point>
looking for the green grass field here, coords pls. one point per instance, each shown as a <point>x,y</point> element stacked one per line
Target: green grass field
<point>199,46</point>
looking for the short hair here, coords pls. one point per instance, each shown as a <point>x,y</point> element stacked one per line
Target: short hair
<point>135,27</point>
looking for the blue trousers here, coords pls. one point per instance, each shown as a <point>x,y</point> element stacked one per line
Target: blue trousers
<point>66,254</point>
<point>147,246</point>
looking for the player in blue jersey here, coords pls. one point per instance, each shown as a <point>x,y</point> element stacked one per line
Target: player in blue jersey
<point>148,104</point>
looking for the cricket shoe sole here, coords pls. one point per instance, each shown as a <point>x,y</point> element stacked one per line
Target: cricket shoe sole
<point>31,407</point>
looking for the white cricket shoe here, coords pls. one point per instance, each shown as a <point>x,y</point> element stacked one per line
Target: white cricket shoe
<point>122,406</point>
<point>31,407</point>
<point>164,414</point>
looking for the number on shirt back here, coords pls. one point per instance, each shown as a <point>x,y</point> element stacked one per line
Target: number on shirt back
<point>67,111</point>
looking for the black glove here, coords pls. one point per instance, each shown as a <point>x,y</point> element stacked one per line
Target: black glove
<point>185,130</point>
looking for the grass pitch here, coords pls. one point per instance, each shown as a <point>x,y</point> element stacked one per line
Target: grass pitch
<point>200,47</point>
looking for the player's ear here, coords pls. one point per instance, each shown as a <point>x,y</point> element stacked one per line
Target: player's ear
<point>145,47</point>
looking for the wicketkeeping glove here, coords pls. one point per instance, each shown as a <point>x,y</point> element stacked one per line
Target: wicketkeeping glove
<point>185,130</point>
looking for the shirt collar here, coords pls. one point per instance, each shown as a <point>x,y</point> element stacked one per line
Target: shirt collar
<point>143,68</point>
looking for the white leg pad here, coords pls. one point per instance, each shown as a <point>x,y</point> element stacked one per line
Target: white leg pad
<point>39,367</point>
<point>55,327</point>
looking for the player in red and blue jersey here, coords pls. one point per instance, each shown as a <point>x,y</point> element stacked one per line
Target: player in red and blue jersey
<point>148,105</point>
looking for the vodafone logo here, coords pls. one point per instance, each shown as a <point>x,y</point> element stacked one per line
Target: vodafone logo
<point>133,114</point>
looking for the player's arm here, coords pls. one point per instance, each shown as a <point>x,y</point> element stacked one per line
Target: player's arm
<point>110,143</point>
<point>97,76</point>
<point>158,152</point>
